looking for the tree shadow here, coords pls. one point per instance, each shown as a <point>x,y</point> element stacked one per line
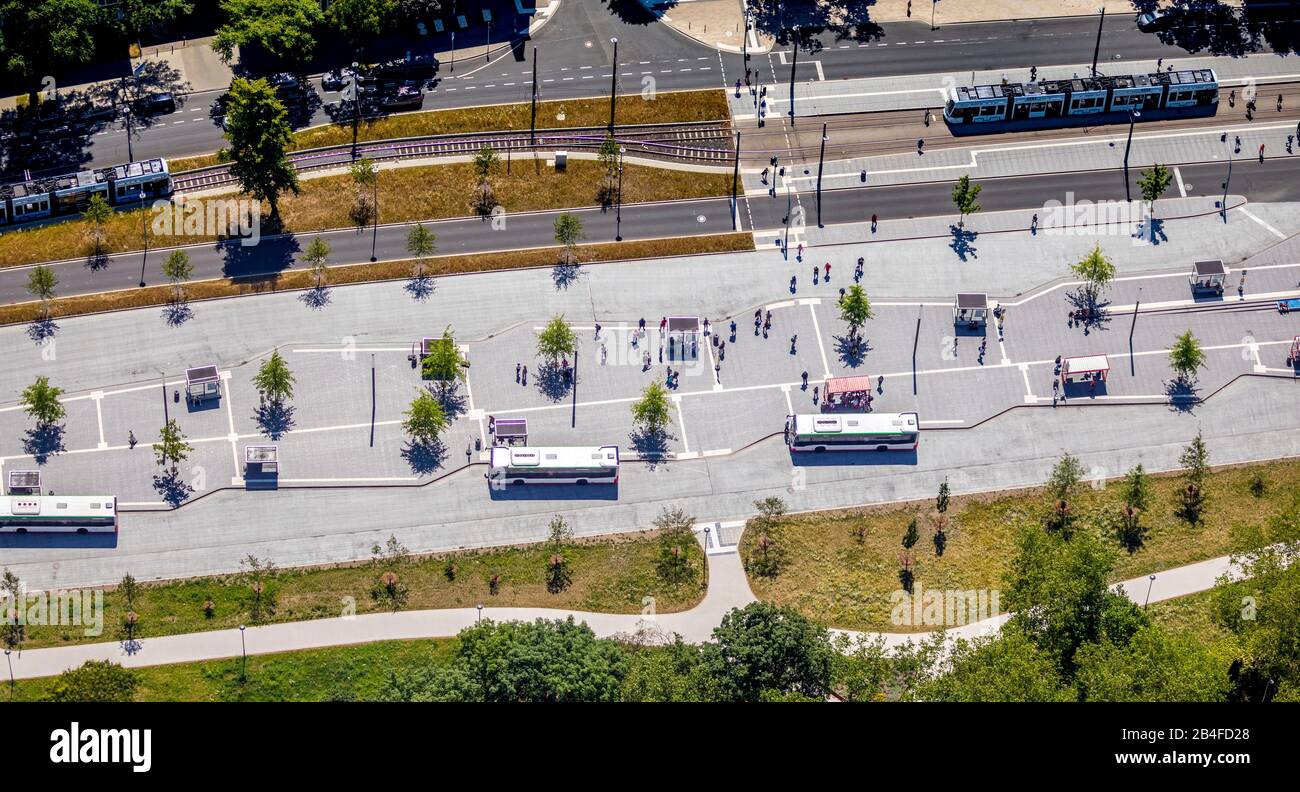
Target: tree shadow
<point>42,330</point>
<point>565,275</point>
<point>177,314</point>
<point>420,287</point>
<point>963,242</point>
<point>1215,27</point>
<point>270,256</point>
<point>634,12</point>
<point>274,420</point>
<point>453,402</point>
<point>651,446</point>
<point>852,350</point>
<point>1088,313</point>
<point>172,488</point>
<point>1151,232</point>
<point>424,458</point>
<point>552,382</point>
<point>1182,395</point>
<point>44,441</point>
<point>97,261</point>
<point>316,298</point>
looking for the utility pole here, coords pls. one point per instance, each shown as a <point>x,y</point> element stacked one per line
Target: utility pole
<point>1133,115</point>
<point>1097,49</point>
<point>1223,206</point>
<point>794,65</point>
<point>374,238</point>
<point>532,123</point>
<point>618,211</point>
<point>144,233</point>
<point>613,84</point>
<point>821,160</point>
<point>573,420</point>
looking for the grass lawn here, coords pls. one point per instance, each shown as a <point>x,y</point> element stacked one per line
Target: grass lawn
<point>830,576</point>
<point>334,673</point>
<point>417,193</point>
<point>609,575</point>
<point>384,270</point>
<point>1189,614</point>
<point>678,107</point>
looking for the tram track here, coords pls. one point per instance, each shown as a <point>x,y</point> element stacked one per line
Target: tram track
<point>703,142</point>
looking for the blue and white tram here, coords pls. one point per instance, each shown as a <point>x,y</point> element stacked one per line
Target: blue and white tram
<point>1081,101</point>
<point>37,198</point>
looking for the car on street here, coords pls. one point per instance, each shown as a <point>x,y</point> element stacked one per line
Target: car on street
<point>1151,21</point>
<point>160,103</point>
<point>336,79</point>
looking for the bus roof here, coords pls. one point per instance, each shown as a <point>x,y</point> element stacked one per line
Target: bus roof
<point>57,505</point>
<point>555,457</point>
<point>856,423</point>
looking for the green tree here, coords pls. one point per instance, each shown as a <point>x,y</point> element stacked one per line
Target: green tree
<point>677,547</point>
<point>365,181</point>
<point>285,29</point>
<point>1186,357</point>
<point>676,672</point>
<point>425,419</point>
<point>445,363</point>
<point>652,413</point>
<point>41,283</point>
<point>765,555</point>
<point>911,535</point>
<point>147,16</point>
<point>14,631</point>
<point>316,257</point>
<point>1261,610</point>
<point>1136,488</point>
<point>97,214</point>
<point>555,340</point>
<point>360,21</point>
<point>855,308</point>
<point>178,269</point>
<point>964,194</point>
<point>41,402</point>
<point>1153,184</point>
<point>485,165</point>
<point>39,37</point>
<point>607,156</point>
<point>274,381</point>
<point>421,244</point>
<point>1096,271</point>
<point>1065,478</point>
<point>1153,665</point>
<point>1006,667</point>
<point>763,649</point>
<point>96,681</point>
<point>568,233</point>
<point>171,447</point>
<point>862,668</point>
<point>258,131</point>
<point>941,502</point>
<point>558,573</point>
<point>1195,461</point>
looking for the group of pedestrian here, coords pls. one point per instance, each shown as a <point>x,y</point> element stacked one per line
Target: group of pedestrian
<point>521,374</point>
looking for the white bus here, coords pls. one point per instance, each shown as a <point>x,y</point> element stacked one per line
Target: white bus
<point>853,432</point>
<point>567,465</point>
<point>58,514</point>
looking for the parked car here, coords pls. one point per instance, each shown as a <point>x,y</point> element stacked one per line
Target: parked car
<point>1152,21</point>
<point>405,97</point>
<point>160,103</point>
<point>336,79</point>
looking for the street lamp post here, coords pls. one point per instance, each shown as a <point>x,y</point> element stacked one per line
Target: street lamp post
<point>821,160</point>
<point>1151,582</point>
<point>618,207</point>
<point>794,64</point>
<point>613,84</point>
<point>1223,205</point>
<point>374,236</point>
<point>243,651</point>
<point>12,684</point>
<point>735,185</point>
<point>144,232</point>
<point>532,123</point>
<point>1133,115</point>
<point>479,617</point>
<point>934,4</point>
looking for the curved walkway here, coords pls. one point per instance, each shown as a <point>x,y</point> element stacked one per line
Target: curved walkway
<point>728,589</point>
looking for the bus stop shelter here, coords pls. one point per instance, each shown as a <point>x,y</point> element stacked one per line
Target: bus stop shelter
<point>509,431</point>
<point>24,482</point>
<point>683,338</point>
<point>202,383</point>
<point>848,393</point>
<point>261,467</point>
<point>1293,357</point>
<point>971,309</point>
<point>1208,277</point>
<point>1087,370</point>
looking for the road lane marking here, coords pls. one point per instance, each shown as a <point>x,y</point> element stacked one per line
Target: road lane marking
<point>1266,226</point>
<point>1178,175</point>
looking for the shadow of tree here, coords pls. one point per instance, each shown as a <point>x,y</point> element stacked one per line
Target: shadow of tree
<point>1182,395</point>
<point>274,420</point>
<point>316,297</point>
<point>420,288</point>
<point>651,446</point>
<point>1088,313</point>
<point>634,12</point>
<point>172,488</point>
<point>453,402</point>
<point>424,458</point>
<point>96,261</point>
<point>963,242</point>
<point>552,381</point>
<point>852,349</point>
<point>1218,28</point>
<point>565,275</point>
<point>42,330</point>
<point>44,441</point>
<point>177,314</point>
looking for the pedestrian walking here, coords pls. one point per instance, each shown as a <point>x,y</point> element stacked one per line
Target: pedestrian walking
<point>1033,73</point>
<point>597,331</point>
<point>792,284</point>
<point>815,271</point>
<point>661,353</point>
<point>799,256</point>
<point>668,378</point>
<point>603,353</point>
<point>828,272</point>
<point>767,322</point>
<point>492,425</point>
<point>1279,103</point>
<point>857,271</point>
<point>524,381</point>
<point>640,326</point>
<point>1261,152</point>
<point>1160,62</point>
<point>663,324</point>
<point>717,370</point>
<point>805,381</point>
<point>814,394</point>
<point>733,329</point>
<point>130,438</point>
<point>873,223</point>
<point>794,339</point>
<point>517,365</point>
<point>708,329</point>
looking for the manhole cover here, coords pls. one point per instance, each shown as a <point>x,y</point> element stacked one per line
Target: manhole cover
<point>700,218</point>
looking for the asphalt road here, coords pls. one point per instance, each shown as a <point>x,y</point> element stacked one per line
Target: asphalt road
<point>574,56</point>
<point>1275,181</point>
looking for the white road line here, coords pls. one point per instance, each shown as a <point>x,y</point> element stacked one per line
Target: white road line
<point>1178,175</point>
<point>230,417</point>
<point>826,366</point>
<point>681,421</point>
<point>1029,390</point>
<point>469,397</point>
<point>98,396</point>
<point>1266,226</point>
<point>350,480</point>
<point>789,405</point>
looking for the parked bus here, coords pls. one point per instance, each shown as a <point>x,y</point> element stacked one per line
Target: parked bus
<point>570,465</point>
<point>58,514</point>
<point>853,432</point>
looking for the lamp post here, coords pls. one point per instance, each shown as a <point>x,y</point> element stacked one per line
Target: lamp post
<point>794,64</point>
<point>479,617</point>
<point>374,236</point>
<point>144,232</point>
<point>1133,115</point>
<point>12,683</point>
<point>821,160</point>
<point>934,4</point>
<point>532,123</point>
<point>1223,205</point>
<point>613,84</point>
<point>1151,582</point>
<point>243,651</point>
